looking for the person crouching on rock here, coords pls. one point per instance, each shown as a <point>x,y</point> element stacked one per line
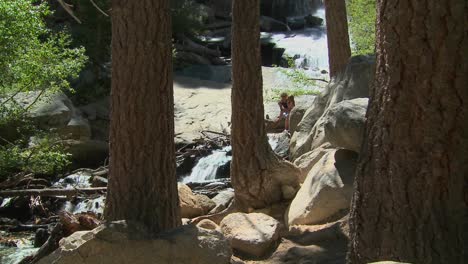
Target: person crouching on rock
<point>290,105</point>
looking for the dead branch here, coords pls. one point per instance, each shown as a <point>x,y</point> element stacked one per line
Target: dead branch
<point>99,9</point>
<point>318,79</point>
<point>68,10</point>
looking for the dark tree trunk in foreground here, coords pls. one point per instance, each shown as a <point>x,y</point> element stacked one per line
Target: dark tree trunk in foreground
<point>142,185</point>
<point>339,50</point>
<point>254,165</point>
<point>410,203</point>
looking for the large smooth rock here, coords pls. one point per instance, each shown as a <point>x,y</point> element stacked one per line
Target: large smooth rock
<point>205,203</point>
<point>252,234</point>
<point>301,139</point>
<point>296,116</point>
<point>51,110</point>
<point>118,243</point>
<point>326,191</point>
<point>188,201</point>
<point>353,83</point>
<point>307,160</point>
<point>342,125</point>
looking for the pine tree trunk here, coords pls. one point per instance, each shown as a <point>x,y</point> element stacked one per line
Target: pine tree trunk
<point>410,199</point>
<point>339,50</point>
<point>142,185</point>
<point>254,164</point>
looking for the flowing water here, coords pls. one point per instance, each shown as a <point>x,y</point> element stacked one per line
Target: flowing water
<point>207,167</point>
<point>308,46</point>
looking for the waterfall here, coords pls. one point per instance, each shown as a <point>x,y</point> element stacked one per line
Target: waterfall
<point>308,46</point>
<point>207,167</point>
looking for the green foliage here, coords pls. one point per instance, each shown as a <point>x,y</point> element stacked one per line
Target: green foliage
<point>45,156</point>
<point>32,57</point>
<point>362,20</point>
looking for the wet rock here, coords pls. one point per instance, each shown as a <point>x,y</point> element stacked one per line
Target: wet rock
<point>252,234</point>
<point>313,21</point>
<point>326,191</point>
<point>119,243</point>
<point>296,22</point>
<point>269,24</point>
<point>223,171</point>
<point>99,181</point>
<point>186,166</point>
<point>40,237</point>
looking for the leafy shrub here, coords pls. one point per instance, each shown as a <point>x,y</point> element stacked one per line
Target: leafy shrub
<point>32,58</point>
<point>362,19</point>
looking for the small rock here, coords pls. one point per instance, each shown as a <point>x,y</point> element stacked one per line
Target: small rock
<point>208,224</point>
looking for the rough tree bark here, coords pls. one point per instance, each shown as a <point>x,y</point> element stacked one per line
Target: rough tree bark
<point>339,50</point>
<point>410,200</point>
<point>142,185</point>
<point>258,176</point>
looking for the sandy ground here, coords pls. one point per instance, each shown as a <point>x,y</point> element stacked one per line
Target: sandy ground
<point>206,105</point>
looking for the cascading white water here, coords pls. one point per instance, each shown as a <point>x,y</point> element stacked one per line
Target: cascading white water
<point>309,46</point>
<point>206,167</point>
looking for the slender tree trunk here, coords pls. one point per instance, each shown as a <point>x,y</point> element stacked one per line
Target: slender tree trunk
<point>410,199</point>
<point>339,50</point>
<point>255,168</point>
<point>142,185</point>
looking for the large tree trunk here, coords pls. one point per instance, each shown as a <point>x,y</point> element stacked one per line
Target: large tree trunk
<point>255,169</point>
<point>339,50</point>
<point>410,202</point>
<point>142,185</point>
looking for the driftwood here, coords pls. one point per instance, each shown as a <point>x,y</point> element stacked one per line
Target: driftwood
<point>52,192</point>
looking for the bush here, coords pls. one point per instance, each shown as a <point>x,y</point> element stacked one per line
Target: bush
<point>362,19</point>
<point>32,58</point>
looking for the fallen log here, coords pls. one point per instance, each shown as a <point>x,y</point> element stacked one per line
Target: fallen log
<point>52,192</point>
